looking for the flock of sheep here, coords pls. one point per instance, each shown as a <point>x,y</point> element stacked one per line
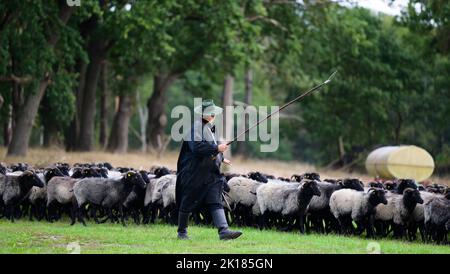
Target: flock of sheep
<point>305,202</point>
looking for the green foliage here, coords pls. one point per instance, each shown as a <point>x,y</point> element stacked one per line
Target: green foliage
<point>392,85</point>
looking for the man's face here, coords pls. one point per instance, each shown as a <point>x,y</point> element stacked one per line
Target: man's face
<point>210,119</point>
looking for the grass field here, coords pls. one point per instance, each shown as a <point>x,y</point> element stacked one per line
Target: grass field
<point>43,237</point>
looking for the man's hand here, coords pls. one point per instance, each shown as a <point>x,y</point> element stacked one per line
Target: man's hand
<point>226,161</point>
<point>222,147</point>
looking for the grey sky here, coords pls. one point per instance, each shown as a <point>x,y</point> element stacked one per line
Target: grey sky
<point>383,6</point>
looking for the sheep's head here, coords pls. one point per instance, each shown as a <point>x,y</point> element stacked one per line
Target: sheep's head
<point>354,183</point>
<point>257,176</point>
<point>268,176</point>
<point>108,165</point>
<point>19,167</point>
<point>412,196</point>
<point>2,169</point>
<point>296,178</point>
<point>311,176</point>
<point>310,187</point>
<point>404,184</point>
<point>31,178</point>
<point>123,169</point>
<point>103,172</point>
<point>228,176</point>
<point>376,185</point>
<point>91,172</point>
<point>77,172</point>
<point>161,171</point>
<point>134,178</point>
<point>144,176</point>
<point>390,185</point>
<point>52,172</point>
<point>377,196</point>
<point>64,168</point>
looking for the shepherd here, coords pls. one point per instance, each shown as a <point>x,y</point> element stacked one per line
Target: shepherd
<point>199,181</point>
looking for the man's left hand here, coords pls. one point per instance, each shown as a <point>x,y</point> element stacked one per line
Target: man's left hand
<point>227,162</point>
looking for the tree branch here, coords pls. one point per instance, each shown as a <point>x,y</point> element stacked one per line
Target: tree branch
<point>16,79</point>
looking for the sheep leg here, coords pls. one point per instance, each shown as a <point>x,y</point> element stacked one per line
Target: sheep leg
<point>122,217</point>
<point>146,214</point>
<point>11,213</point>
<point>301,223</point>
<point>30,214</point>
<point>80,213</point>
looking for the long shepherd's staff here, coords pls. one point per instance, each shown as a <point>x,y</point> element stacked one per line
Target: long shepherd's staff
<point>300,97</point>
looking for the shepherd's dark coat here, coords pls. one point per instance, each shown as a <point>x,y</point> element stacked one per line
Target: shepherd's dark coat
<point>198,169</point>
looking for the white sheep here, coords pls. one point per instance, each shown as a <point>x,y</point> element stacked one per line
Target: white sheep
<point>348,204</point>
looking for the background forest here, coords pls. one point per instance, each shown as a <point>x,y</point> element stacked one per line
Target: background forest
<point>105,75</point>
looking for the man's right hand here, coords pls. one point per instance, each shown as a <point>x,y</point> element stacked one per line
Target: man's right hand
<point>222,147</point>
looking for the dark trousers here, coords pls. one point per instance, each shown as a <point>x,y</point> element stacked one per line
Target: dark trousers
<point>213,200</point>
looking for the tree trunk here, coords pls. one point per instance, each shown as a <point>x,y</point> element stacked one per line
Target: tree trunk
<point>87,117</point>
<point>72,133</point>
<point>7,127</point>
<point>28,111</point>
<point>118,138</point>
<point>24,121</point>
<point>51,138</point>
<point>143,118</point>
<point>103,105</point>
<point>227,100</point>
<point>241,147</point>
<point>341,150</point>
<point>157,119</point>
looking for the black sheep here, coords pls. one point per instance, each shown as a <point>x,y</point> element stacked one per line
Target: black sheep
<point>257,176</point>
<point>16,189</point>
<point>376,185</point>
<point>134,203</point>
<point>404,184</point>
<point>38,196</point>
<point>307,175</point>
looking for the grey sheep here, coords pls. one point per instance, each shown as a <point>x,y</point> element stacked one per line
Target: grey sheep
<point>399,211</point>
<point>242,199</point>
<point>437,215</point>
<point>105,192</point>
<point>163,196</point>
<point>418,216</point>
<point>150,210</point>
<point>348,204</point>
<point>17,188</point>
<point>38,195</point>
<point>287,199</point>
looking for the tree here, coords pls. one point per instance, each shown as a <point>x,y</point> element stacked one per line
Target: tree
<point>42,24</point>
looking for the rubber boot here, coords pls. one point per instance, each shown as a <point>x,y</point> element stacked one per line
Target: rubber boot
<point>183,219</point>
<point>218,216</point>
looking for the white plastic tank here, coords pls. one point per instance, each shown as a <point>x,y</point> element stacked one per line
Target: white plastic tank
<point>392,162</point>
